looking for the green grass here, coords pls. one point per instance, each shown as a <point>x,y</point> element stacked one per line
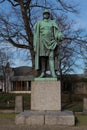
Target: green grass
<point>76,105</point>
<point>7,101</point>
<point>73,102</point>
<point>7,118</point>
<point>73,106</point>
<point>7,115</point>
<point>81,120</point>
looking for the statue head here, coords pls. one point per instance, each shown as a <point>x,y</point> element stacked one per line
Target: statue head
<point>46,14</point>
<point>46,11</point>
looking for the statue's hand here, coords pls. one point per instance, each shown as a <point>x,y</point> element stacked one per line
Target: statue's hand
<point>59,36</point>
<point>62,37</point>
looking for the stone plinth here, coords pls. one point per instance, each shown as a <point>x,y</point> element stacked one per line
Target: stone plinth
<point>30,118</point>
<point>60,118</point>
<point>46,94</point>
<point>45,118</point>
<point>18,104</point>
<point>85,105</point>
<point>45,105</point>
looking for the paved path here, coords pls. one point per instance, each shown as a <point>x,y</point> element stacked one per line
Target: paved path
<point>9,124</point>
<point>14,127</point>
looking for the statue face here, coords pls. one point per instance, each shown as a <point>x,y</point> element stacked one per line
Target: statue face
<point>46,15</point>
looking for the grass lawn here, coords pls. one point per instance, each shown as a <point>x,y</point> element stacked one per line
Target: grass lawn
<point>76,105</point>
<point>7,116</point>
<point>73,102</point>
<point>73,106</point>
<point>7,101</point>
<point>81,120</point>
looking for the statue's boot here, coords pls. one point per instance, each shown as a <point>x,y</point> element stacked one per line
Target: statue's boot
<point>42,75</point>
<point>52,69</point>
<point>43,67</point>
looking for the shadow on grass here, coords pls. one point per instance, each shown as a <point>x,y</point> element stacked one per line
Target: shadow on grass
<point>73,106</point>
<point>81,120</point>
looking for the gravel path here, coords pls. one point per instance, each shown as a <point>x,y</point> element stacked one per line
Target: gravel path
<point>14,127</point>
<point>8,124</point>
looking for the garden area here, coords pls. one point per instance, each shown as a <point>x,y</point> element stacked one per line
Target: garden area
<point>7,101</point>
<point>72,102</point>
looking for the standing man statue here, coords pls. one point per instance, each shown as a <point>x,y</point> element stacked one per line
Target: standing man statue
<point>46,36</point>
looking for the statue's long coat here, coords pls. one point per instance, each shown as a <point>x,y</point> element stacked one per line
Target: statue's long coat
<point>46,35</point>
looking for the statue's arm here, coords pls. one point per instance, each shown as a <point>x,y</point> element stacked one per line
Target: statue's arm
<point>57,32</point>
<point>59,35</point>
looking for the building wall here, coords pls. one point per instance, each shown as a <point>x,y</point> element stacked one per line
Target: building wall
<point>80,88</point>
<point>22,83</point>
<point>75,87</point>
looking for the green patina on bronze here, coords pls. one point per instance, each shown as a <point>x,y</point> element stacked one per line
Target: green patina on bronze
<point>46,36</point>
<point>45,79</point>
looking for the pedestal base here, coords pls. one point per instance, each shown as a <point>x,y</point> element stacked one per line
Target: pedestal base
<point>45,118</point>
<point>46,95</point>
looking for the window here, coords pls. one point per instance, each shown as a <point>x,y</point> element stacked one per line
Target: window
<point>21,86</point>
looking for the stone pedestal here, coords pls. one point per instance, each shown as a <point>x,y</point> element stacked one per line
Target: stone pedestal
<point>45,105</point>
<point>41,118</point>
<point>18,104</point>
<point>46,95</point>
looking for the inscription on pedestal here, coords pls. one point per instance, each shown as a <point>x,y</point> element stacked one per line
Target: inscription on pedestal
<point>45,95</point>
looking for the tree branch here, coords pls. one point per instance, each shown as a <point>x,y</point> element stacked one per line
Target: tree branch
<point>67,7</point>
<point>12,3</point>
<point>2,1</point>
<point>17,45</point>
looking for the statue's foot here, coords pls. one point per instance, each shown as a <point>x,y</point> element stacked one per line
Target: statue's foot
<point>42,75</point>
<point>54,76</point>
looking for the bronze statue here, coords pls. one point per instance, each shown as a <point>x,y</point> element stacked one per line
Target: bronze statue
<point>46,36</point>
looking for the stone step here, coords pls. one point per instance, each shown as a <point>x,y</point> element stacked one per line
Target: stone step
<point>45,118</point>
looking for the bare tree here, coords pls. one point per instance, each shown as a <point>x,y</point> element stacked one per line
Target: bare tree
<point>16,27</point>
<point>3,61</point>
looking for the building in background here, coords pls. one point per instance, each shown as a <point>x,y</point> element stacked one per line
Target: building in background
<point>21,79</point>
<point>75,83</point>
<point>18,80</point>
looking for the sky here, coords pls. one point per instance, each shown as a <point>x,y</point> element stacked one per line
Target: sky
<point>81,22</point>
<point>81,18</point>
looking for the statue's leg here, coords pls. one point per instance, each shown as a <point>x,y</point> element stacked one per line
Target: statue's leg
<point>43,66</point>
<point>51,64</point>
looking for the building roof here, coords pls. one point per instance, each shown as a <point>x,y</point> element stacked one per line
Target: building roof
<point>75,77</point>
<point>22,78</point>
<point>23,71</point>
